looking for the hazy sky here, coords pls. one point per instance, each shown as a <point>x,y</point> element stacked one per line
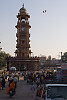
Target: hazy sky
<point>48,33</point>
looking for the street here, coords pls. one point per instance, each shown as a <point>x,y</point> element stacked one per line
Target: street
<point>23,92</point>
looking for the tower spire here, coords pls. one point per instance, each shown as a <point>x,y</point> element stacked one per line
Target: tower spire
<point>23,5</point>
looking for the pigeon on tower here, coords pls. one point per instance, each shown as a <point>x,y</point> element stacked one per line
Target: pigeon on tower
<point>44,11</point>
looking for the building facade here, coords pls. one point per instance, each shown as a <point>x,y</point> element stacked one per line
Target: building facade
<point>23,59</point>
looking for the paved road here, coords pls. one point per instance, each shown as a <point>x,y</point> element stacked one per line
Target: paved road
<point>23,92</point>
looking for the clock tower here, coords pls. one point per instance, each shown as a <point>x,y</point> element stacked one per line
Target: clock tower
<point>23,61</point>
<point>23,35</point>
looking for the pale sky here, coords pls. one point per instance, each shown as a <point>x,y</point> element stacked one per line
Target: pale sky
<point>48,33</point>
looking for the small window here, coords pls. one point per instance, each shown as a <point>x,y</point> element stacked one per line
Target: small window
<point>22,41</point>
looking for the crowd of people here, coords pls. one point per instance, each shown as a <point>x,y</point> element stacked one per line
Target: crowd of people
<point>32,78</point>
<point>38,87</point>
<point>10,79</point>
<point>38,80</point>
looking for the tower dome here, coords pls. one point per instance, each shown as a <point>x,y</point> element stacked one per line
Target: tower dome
<point>23,10</point>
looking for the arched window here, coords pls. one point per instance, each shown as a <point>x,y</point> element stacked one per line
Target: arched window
<point>23,54</point>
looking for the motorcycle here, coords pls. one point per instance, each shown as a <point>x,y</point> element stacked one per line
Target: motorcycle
<point>11,90</point>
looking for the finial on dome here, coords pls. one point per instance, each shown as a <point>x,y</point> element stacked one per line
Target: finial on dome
<point>23,5</point>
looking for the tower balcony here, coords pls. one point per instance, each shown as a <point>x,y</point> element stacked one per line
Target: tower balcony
<point>15,51</point>
<point>16,35</point>
<point>29,45</point>
<point>29,40</point>
<point>24,15</point>
<point>23,22</point>
<point>17,45</point>
<point>30,51</point>
<point>17,40</point>
<point>29,35</point>
<point>18,23</point>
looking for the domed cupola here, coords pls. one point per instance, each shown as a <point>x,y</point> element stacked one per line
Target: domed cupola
<point>23,10</point>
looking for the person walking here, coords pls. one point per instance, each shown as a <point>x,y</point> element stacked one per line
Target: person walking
<point>32,89</point>
<point>3,83</point>
<point>38,81</point>
<point>15,80</point>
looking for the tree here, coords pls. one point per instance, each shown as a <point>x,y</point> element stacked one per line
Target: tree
<point>64,57</point>
<point>49,57</point>
<point>3,61</point>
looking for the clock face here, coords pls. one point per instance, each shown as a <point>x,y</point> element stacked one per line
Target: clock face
<point>23,28</point>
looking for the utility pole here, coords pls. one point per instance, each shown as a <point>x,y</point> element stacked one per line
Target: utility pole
<point>61,56</point>
<point>0,47</point>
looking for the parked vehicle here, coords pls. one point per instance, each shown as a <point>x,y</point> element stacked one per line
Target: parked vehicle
<point>12,69</point>
<point>56,92</point>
